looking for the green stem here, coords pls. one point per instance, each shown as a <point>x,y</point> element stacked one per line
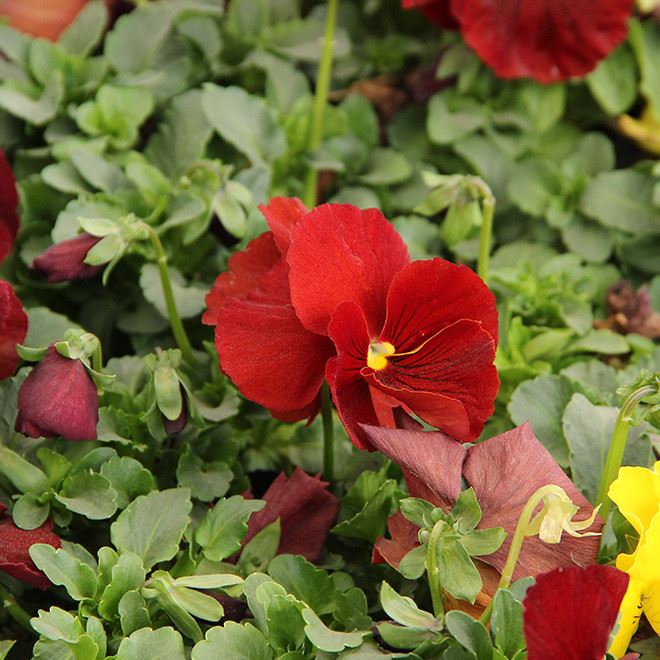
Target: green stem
<point>618,446</point>
<point>320,101</point>
<point>485,235</point>
<point>14,609</point>
<point>328,434</point>
<point>518,538</point>
<point>432,569</point>
<point>178,330</point>
<point>97,358</point>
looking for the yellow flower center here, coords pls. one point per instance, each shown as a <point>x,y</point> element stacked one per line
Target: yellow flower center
<point>378,353</point>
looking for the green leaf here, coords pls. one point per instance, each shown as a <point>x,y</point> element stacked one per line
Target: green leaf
<point>181,136</point>
<point>461,217</point>
<point>29,512</point>
<point>614,81</point>
<point>97,171</point>
<point>61,567</point>
<point>370,500</point>
<point>6,646</point>
<point>238,642</point>
<point>244,121</point>
<point>600,341</point>
<point>133,613</point>
<point>161,644</point>
<point>588,430</point>
<point>466,511</point>
<point>128,574</point>
<point>260,549</point>
<point>189,298</point>
<point>418,511</point>
<point>65,178</point>
<point>452,117</point>
<point>533,184</point>
<point>507,623</point>
<point>26,477</point>
<point>88,494</point>
<point>622,199</point>
<point>128,478</point>
<point>222,529</point>
<point>588,239</point>
<point>207,480</point>
<point>542,104</point>
<point>152,525</point>
<point>386,167</point>
<point>403,610</point>
<point>480,542</point>
<point>57,624</point>
<point>458,574</point>
<point>326,639</point>
<point>541,401</point>
<point>644,39</point>
<point>470,633</point>
<point>34,111</point>
<point>305,581</point>
<point>86,31</point>
<point>413,564</point>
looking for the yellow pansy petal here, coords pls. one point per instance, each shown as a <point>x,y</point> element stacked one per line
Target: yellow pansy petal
<point>631,610</point>
<point>636,491</point>
<point>645,572</point>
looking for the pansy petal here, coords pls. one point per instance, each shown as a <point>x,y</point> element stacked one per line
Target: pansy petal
<point>306,510</point>
<point>504,472</point>
<point>437,11</point>
<point>427,296</point>
<point>244,270</point>
<point>570,612</point>
<point>631,612</point>
<point>340,253</point>
<point>450,382</point>
<point>636,491</point>
<point>282,214</point>
<point>432,462</point>
<point>13,328</point>
<point>403,538</point>
<point>265,350</point>
<point>546,41</point>
<point>65,261</point>
<point>8,207</point>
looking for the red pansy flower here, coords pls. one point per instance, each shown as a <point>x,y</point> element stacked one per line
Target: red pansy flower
<point>58,398</point>
<point>570,612</point>
<point>306,510</point>
<point>13,328</point>
<point>504,472</point>
<point>420,336</point>
<point>547,40</point>
<point>64,261</point>
<point>15,544</point>
<point>8,207</point>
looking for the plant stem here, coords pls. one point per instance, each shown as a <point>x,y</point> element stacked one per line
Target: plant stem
<point>14,609</point>
<point>485,235</point>
<point>516,542</point>
<point>432,569</point>
<point>178,330</point>
<point>97,358</point>
<point>328,434</point>
<point>320,100</point>
<point>618,446</point>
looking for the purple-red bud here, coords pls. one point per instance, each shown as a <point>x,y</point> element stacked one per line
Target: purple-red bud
<point>65,261</point>
<point>58,398</point>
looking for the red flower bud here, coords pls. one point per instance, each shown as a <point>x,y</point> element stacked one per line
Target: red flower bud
<point>15,544</point>
<point>58,398</point>
<point>13,328</point>
<point>8,204</point>
<point>64,261</point>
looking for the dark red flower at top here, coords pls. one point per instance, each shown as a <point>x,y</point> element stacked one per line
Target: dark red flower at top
<point>8,207</point>
<point>13,328</point>
<point>15,544</point>
<point>547,40</point>
<point>64,261</point>
<point>437,11</point>
<point>570,612</point>
<point>419,336</point>
<point>58,398</point>
<point>306,510</point>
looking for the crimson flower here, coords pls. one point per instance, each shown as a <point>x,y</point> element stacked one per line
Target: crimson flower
<point>8,207</point>
<point>419,336</point>
<point>504,472</point>
<point>570,612</point>
<point>306,511</point>
<point>58,398</point>
<point>15,544</point>
<point>64,261</point>
<point>13,328</point>
<point>547,40</point>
